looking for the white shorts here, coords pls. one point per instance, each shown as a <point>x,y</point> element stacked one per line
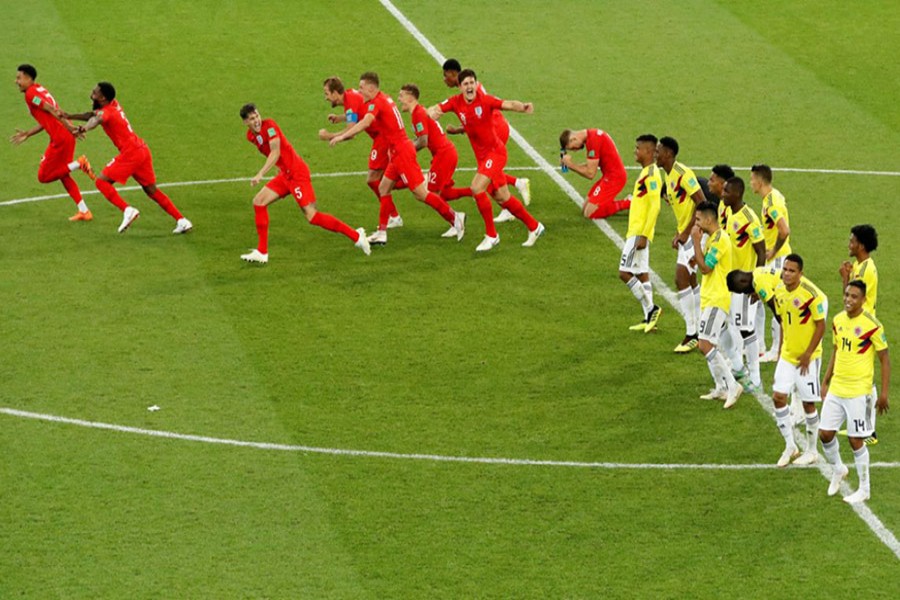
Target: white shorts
<point>712,321</point>
<point>743,312</point>
<point>635,261</point>
<point>788,379</point>
<point>859,413</point>
<point>776,263</point>
<point>686,256</point>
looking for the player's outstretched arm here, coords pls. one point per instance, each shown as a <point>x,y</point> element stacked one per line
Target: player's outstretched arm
<point>436,113</point>
<point>91,124</point>
<point>516,106</point>
<point>351,132</point>
<point>77,116</point>
<point>21,135</point>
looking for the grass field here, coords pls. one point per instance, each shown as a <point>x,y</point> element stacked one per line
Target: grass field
<point>424,347</point>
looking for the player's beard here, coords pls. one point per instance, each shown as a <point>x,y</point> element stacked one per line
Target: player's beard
<point>97,105</point>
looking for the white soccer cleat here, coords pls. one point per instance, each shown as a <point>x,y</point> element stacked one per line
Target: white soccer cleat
<point>838,474</point>
<point>534,235</point>
<point>789,454</point>
<point>395,222</point>
<point>810,457</point>
<point>523,184</point>
<point>715,394</point>
<point>129,216</point>
<point>459,224</point>
<point>450,233</point>
<point>857,497</point>
<point>504,216</point>
<point>362,243</point>
<point>733,396</point>
<point>255,256</point>
<point>182,226</point>
<point>379,238</point>
<point>487,243</point>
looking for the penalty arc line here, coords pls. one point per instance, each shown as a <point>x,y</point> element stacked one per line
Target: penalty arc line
<point>885,535</point>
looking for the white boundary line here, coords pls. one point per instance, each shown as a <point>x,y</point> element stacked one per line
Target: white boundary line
<point>874,523</point>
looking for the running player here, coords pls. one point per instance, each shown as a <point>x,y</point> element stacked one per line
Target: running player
<point>134,158</point>
<point>602,154</point>
<point>475,110</point>
<point>293,179</point>
<point>634,267</point>
<point>354,106</point>
<point>57,161</point>
<point>715,301</point>
<point>847,387</point>
<point>684,194</point>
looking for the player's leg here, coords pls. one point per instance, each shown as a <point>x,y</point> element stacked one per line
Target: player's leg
<point>378,164</point>
<point>686,300</point>
<point>786,377</point>
<point>859,427</point>
<point>629,266</point>
<point>305,195</point>
<point>750,342</point>
<point>601,199</point>
<point>410,172</point>
<point>118,170</point>
<point>833,414</point>
<point>479,187</point>
<point>807,392</point>
<point>725,387</point>
<point>56,164</point>
<point>272,192</point>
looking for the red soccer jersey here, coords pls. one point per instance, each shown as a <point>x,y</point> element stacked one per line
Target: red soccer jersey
<point>289,161</point>
<point>478,119</point>
<point>501,125</point>
<point>599,146</point>
<point>425,125</point>
<point>355,108</point>
<point>388,121</point>
<point>36,96</point>
<point>117,127</point>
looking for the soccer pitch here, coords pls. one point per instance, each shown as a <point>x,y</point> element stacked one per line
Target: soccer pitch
<point>423,422</point>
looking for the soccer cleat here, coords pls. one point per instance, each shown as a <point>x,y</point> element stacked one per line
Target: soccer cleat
<point>733,396</point>
<point>642,326</point>
<point>459,223</point>
<point>751,388</point>
<point>362,243</point>
<point>523,184</point>
<point>872,440</point>
<point>838,474</point>
<point>857,497</point>
<point>687,344</point>
<point>379,238</point>
<point>395,222</point>
<point>715,394</point>
<point>129,216</point>
<point>789,454</point>
<point>85,165</point>
<point>810,457</point>
<point>741,375</point>
<point>487,243</point>
<point>504,216</point>
<point>534,235</point>
<point>255,256</point>
<point>182,226</point>
<point>450,233</point>
<point>652,318</point>
<point>82,216</point>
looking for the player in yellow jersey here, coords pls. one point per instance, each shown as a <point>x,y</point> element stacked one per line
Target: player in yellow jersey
<point>684,194</point>
<point>634,267</point>
<point>715,300</point>
<point>847,387</point>
<point>777,230</point>
<point>746,235</point>
<point>803,308</point>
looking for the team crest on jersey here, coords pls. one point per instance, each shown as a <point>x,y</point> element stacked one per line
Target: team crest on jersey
<point>271,131</point>
<point>591,154</point>
<point>419,126</point>
<point>36,100</point>
<point>259,139</point>
<point>478,111</point>
<point>857,331</point>
<point>797,302</point>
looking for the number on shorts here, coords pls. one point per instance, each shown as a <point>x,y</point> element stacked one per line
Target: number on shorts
<point>298,193</point>
<point>813,387</point>
<point>489,163</point>
<point>374,154</point>
<point>432,177</point>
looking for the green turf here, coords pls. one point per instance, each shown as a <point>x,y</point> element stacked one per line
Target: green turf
<point>424,347</point>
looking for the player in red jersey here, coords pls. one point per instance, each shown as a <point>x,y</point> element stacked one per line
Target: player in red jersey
<point>475,110</point>
<point>134,158</point>
<point>452,69</point>
<point>354,107</point>
<point>57,161</point>
<point>602,154</point>
<point>293,179</point>
<point>382,114</point>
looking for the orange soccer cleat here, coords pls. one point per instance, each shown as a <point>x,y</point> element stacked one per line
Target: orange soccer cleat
<point>82,216</point>
<point>85,166</point>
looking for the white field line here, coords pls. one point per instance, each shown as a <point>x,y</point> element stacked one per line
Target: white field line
<point>874,523</point>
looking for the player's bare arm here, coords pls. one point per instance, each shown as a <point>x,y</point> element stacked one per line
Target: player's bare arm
<point>436,113</point>
<point>77,116</point>
<point>818,334</point>
<point>587,170</point>
<point>516,106</point>
<point>783,232</point>
<point>21,135</point>
<point>421,142</point>
<point>697,236</point>
<point>92,123</point>
<point>882,403</point>
<point>351,132</point>
<point>760,249</point>
<point>274,155</point>
<point>826,379</point>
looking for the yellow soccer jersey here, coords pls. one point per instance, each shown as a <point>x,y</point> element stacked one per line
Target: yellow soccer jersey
<point>724,215</point>
<point>765,282</point>
<point>645,203</point>
<point>744,230</point>
<point>681,184</point>
<point>773,209</point>
<point>713,287</point>
<point>855,343</point>
<point>867,272</point>
<point>799,310</point>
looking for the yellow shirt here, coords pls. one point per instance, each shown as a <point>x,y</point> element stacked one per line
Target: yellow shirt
<point>799,310</point>
<point>724,214</point>
<point>681,184</point>
<point>867,272</point>
<point>645,201</point>
<point>773,209</point>
<point>765,281</point>
<point>744,229</point>
<point>855,343</point>
<point>713,287</point>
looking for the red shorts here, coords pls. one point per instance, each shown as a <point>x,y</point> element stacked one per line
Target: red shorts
<point>404,166</point>
<point>134,162</point>
<point>300,188</point>
<point>57,157</point>
<point>440,173</point>
<point>605,190</point>
<point>378,157</point>
<point>491,166</point>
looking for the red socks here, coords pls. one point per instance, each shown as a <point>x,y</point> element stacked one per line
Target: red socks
<point>483,202</point>
<point>607,209</point>
<point>515,207</point>
<point>261,215</point>
<point>165,203</point>
<point>443,209</point>
<point>110,193</point>
<point>451,193</point>
<point>326,221</point>
<point>71,187</point>
<point>510,180</point>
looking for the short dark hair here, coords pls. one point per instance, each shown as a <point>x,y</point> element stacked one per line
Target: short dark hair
<point>670,143</point>
<point>28,70</point>
<point>371,77</point>
<point>107,89</point>
<point>451,64</point>
<point>731,280</point>
<point>334,84</point>
<point>866,235</point>
<point>564,139</point>
<point>647,137</point>
<point>247,109</point>
<point>736,182</point>
<point>412,89</point>
<point>858,283</point>
<point>467,73</point>
<point>723,171</point>
<point>708,207</point>
<point>795,258</point>
<point>763,171</point>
